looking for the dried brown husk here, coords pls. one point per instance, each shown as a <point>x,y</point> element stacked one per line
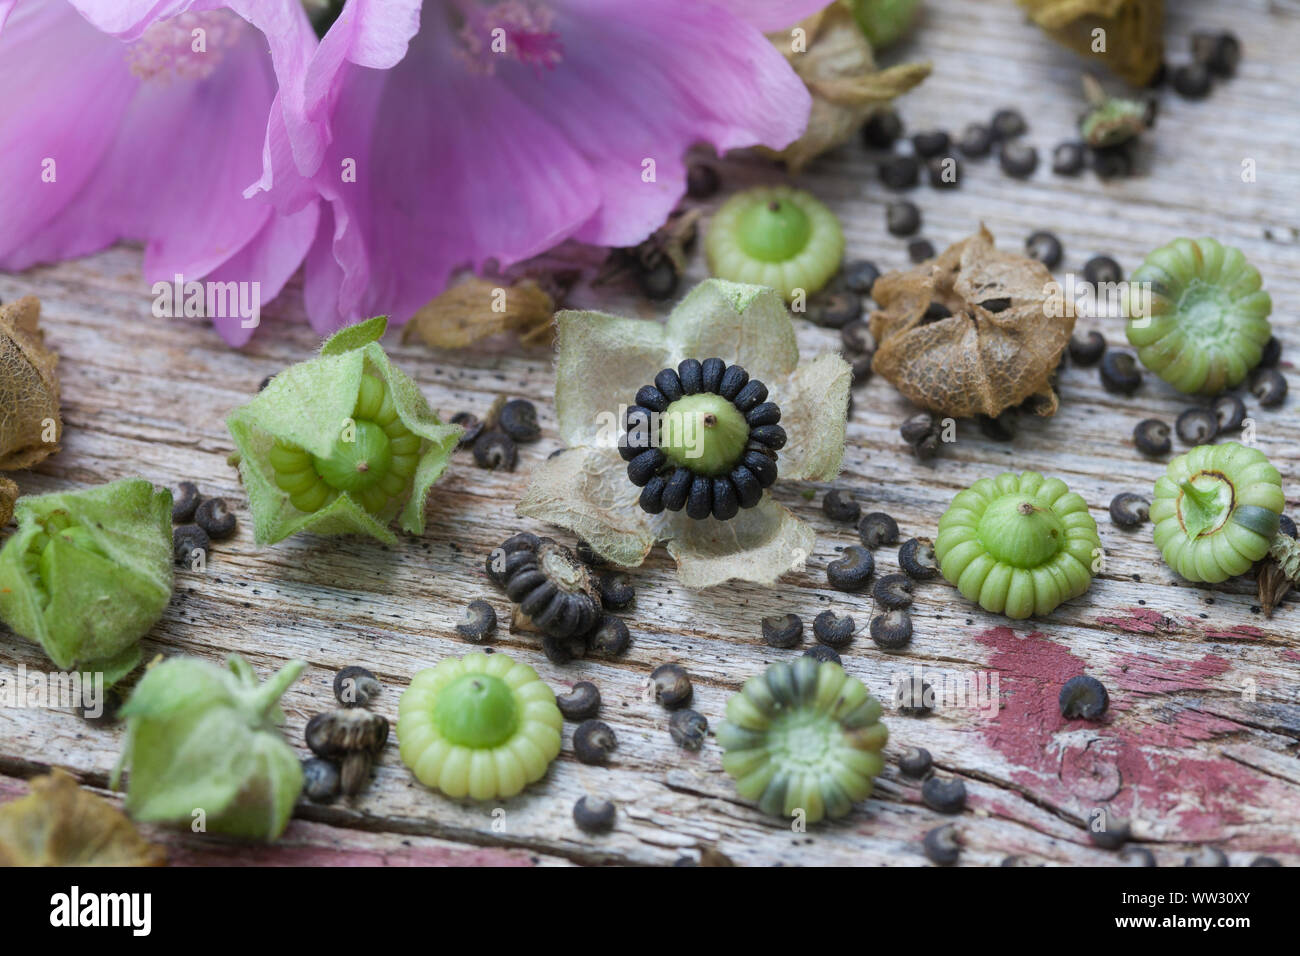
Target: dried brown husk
<point>976,361</point>
<point>840,72</point>
<point>8,495</point>
<point>478,308</point>
<point>59,824</point>
<point>29,387</point>
<point>1134,32</point>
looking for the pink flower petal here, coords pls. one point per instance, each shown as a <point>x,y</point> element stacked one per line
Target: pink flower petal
<point>771,16</point>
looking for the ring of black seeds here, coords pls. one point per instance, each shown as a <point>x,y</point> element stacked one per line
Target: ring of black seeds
<point>674,488</point>
<point>851,570</point>
<point>941,845</point>
<point>916,558</point>
<point>582,701</point>
<point>1153,437</point>
<point>1197,426</point>
<point>480,622</point>
<point>688,728</point>
<point>823,653</point>
<point>877,528</point>
<point>838,505</point>
<point>552,587</point>
<point>594,741</point>
<point>1087,349</point>
<point>1128,510</point>
<point>893,591</point>
<point>610,636</point>
<point>944,796</point>
<point>834,631</point>
<point>892,630</point>
<point>783,630</point>
<point>616,590</point>
<point>1083,698</point>
<point>518,419</point>
<point>915,763</point>
<point>594,816</point>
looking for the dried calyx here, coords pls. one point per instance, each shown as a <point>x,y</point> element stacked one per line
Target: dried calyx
<point>30,426</point>
<point>1112,120</point>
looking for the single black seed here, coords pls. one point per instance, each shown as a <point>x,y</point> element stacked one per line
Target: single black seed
<point>471,426</point>
<point>1263,861</point>
<point>900,172</point>
<point>610,636</point>
<point>877,528</point>
<point>914,697</point>
<point>1128,510</point>
<point>1069,159</point>
<point>1112,162</point>
<point>1087,349</point>
<point>773,436</point>
<point>677,489</point>
<point>752,394</point>
<point>1197,426</point>
<point>700,500</point>
<point>355,686</point>
<point>539,597</point>
<point>652,495</point>
<point>765,413</point>
<point>761,465</point>
<point>893,591</point>
<point>1120,372</point>
<point>592,815</point>
<point>1286,526</point>
<point>1002,428</point>
<point>917,428</point>
<point>659,281</point>
<point>672,685</point>
<point>320,779</point>
<point>944,796</point>
<point>823,653</point>
<point>975,140</point>
<point>832,630</point>
<point>189,541</point>
<point>859,276</point>
<point>480,622</point>
<point>1018,160</point>
<point>562,650</point>
<point>930,143</point>
<point>1136,856</point>
<point>733,380</point>
<point>1192,81</point>
<point>1083,698</point>
<point>616,590</point>
<point>1272,353</point>
<point>688,728</point>
<point>919,250</point>
<point>945,172</point>
<point>594,741</point>
<point>701,181</point>
<point>852,570</point>
<point>1101,269</point>
<point>783,630</point>
<point>882,130</point>
<point>916,763</point>
<point>892,630</point>
<point>185,501</point>
<point>1008,123</point>
<point>1152,437</point>
<point>582,701</point>
<point>1206,856</point>
<point>942,845</point>
<point>711,372</point>
<point>835,309</point>
<point>916,558</point>
<point>927,448</point>
<point>1218,52</point>
<point>1000,304</point>
<point>518,419</point>
<point>645,466</point>
<point>902,218</point>
<point>1112,835</point>
<point>1268,385</point>
<point>1045,247</point>
<point>669,384</point>
<point>857,338</point>
<point>647,396</point>
<point>838,505</point>
<point>495,450</point>
<point>214,516</point>
<point>748,488</point>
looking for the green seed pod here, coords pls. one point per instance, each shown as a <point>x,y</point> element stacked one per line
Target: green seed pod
<point>803,736</point>
<point>775,236</point>
<point>341,444</point>
<point>1208,317</point>
<point>481,726</point>
<point>200,738</point>
<point>1018,545</point>
<point>1216,511</point>
<point>88,573</point>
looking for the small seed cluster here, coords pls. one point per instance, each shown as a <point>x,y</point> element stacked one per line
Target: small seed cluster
<point>198,522</point>
<point>494,441</point>
<point>345,740</point>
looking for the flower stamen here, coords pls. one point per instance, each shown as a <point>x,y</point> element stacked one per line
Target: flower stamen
<point>188,47</point>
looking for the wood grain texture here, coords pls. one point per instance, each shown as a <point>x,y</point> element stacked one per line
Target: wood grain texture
<point>1201,744</point>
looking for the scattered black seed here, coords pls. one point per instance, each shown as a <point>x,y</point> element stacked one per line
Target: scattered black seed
<point>1206,855</point>
<point>185,501</point>
<point>893,591</point>
<point>495,450</point>
<point>930,143</point>
<point>1136,856</point>
<point>834,631</point>
<point>1272,353</point>
<point>877,528</point>
<point>1083,697</point>
<point>1120,372</point>
<point>838,505</point>
<point>1113,835</point>
<point>1069,159</point>
<point>975,140</point>
<point>902,218</point>
<point>1268,385</point>
<point>214,516</point>
<point>927,448</point>
<point>1102,269</point>
<point>593,741</point>
<point>859,276</point>
<point>1045,247</point>
<point>659,281</point>
<point>1219,52</point>
<point>352,736</point>
<point>561,650</point>
<point>1018,160</point>
<point>1230,412</point>
<point>1128,510</point>
<point>1008,124</point>
<point>1197,426</point>
<point>688,728</point>
<point>1264,861</point>
<point>518,419</point>
<point>823,653</point>
<point>942,845</point>
<point>914,697</point>
<point>944,171</point>
<point>916,763</point>
<point>783,630</point>
<point>1112,162</point>
<point>900,172</point>
<point>852,570</point>
<point>835,309</point>
<point>320,779</point>
<point>593,815</point>
<point>1002,428</point>
<point>610,636</point>
<point>1192,81</point>
<point>892,630</point>
<point>1153,437</point>
<point>857,338</point>
<point>919,250</point>
<point>882,130</point>
<point>616,590</point>
<point>936,311</point>
<point>672,685</point>
<point>472,428</point>
<point>944,796</point>
<point>917,428</point>
<point>701,181</point>
<point>582,701</point>
<point>1286,526</point>
<point>480,622</point>
<point>187,539</point>
<point>916,558</point>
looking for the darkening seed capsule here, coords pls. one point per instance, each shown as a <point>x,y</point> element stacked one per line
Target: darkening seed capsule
<point>701,181</point>
<point>852,570</point>
<point>1083,698</point>
<point>1218,52</point>
<point>582,701</point>
<point>518,419</point>
<point>944,796</point>
<point>783,630</point>
<point>320,779</point>
<point>832,630</point>
<point>835,309</point>
<point>184,502</point>
<point>975,140</point>
<point>672,685</point>
<point>1069,159</point>
<point>594,741</point>
<point>892,630</point>
<point>823,653</point>
<point>1136,856</point>
<point>593,815</point>
<point>1120,372</point>
<point>859,276</point>
<point>1008,123</point>
<point>189,541</point>
<point>1087,349</point>
<point>610,636</point>
<point>942,845</point>
<point>1128,510</point>
<point>659,281</point>
<point>1192,81</point>
<point>616,590</point>
<point>882,130</point>
<point>857,338</point>
<point>916,558</point>
<point>214,516</point>
<point>902,218</point>
<point>900,172</point>
<point>1018,160</point>
<point>930,143</point>
<point>1045,247</point>
<point>1100,269</point>
<point>1197,426</point>
<point>916,763</point>
<point>893,591</point>
<point>877,528</point>
<point>914,697</point>
<point>688,728</point>
<point>1269,387</point>
<point>838,505</point>
<point>1272,353</point>
<point>496,451</point>
<point>1152,437</point>
<point>480,622</point>
<point>355,686</point>
<point>920,250</point>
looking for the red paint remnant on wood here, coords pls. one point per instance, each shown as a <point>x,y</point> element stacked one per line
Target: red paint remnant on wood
<point>1141,620</point>
<point>1241,632</point>
<point>1149,674</point>
<point>1291,655</point>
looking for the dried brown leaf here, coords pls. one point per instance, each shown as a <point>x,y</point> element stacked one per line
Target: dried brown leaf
<point>8,495</point>
<point>477,308</point>
<point>29,388</point>
<point>978,360</point>
<point>1132,32</point>
<point>59,824</point>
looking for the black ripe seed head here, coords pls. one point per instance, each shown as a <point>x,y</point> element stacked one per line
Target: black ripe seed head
<point>553,589</point>
<point>892,630</point>
<point>859,276</point>
<point>320,779</point>
<point>354,686</point>
<point>944,796</point>
<point>1230,411</point>
<point>518,419</point>
<point>1069,159</point>
<point>832,630</point>
<point>1192,81</point>
<point>915,763</point>
<point>616,590</point>
<point>900,172</point>
<point>877,528</point>
<point>920,250</point>
<point>902,218</point>
<point>882,130</point>
<point>1128,510</point>
<point>582,701</point>
<point>214,516</point>
<point>496,451</point>
<point>820,652</point>
<point>1120,373</point>
<point>1018,160</point>
<point>942,845</point>
<point>783,630</point>
<point>184,501</point>
<point>594,741</point>
<point>1083,698</point>
<point>594,815</point>
<point>480,622</point>
<point>1197,426</point>
<point>916,558</point>
<point>852,570</point>
<point>1045,247</point>
<point>975,140</point>
<point>893,591</point>
<point>1269,387</point>
<point>914,697</point>
<point>1102,269</point>
<point>1153,437</point>
<point>672,685</point>
<point>610,636</point>
<point>688,728</point>
<point>189,541</point>
<point>838,505</point>
<point>930,143</point>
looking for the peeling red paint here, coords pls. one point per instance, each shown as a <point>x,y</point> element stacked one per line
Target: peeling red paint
<point>1291,655</point>
<point>1141,620</point>
<point>1241,632</point>
<point>1150,674</point>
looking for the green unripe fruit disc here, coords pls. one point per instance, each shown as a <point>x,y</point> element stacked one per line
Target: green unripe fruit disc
<point>703,432</point>
<point>476,711</point>
<point>357,464</point>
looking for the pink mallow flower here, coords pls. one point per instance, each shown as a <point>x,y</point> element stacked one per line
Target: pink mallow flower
<point>448,133</point>
<point>145,120</point>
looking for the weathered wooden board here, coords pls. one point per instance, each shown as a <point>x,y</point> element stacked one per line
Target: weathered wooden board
<point>1201,744</point>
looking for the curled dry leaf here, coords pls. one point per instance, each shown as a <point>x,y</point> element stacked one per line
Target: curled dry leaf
<point>8,495</point>
<point>999,346</point>
<point>59,824</point>
<point>477,308</point>
<point>1132,29</point>
<point>29,389</point>
<point>833,58</point>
